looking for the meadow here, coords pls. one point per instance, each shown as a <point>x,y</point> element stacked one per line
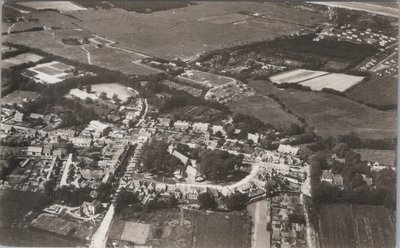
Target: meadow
<point>332,115</point>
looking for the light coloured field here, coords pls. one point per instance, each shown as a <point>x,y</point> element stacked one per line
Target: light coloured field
<point>113,88</point>
<point>296,76</point>
<point>205,78</point>
<point>136,232</point>
<point>52,72</point>
<point>20,59</point>
<point>383,157</point>
<point>376,8</point>
<point>336,81</point>
<point>229,18</point>
<point>59,5</point>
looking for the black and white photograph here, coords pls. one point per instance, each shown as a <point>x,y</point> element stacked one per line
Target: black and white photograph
<point>198,124</point>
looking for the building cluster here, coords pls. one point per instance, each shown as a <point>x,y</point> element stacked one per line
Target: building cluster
<point>287,221</point>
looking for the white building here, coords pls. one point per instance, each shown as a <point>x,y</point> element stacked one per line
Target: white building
<point>200,127</point>
<point>181,125</point>
<point>288,149</point>
<point>254,137</point>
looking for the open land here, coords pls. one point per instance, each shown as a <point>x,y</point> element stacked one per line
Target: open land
<point>332,115</point>
<point>180,33</point>
<point>219,230</point>
<point>110,89</point>
<point>351,225</point>
<point>59,5</point>
<point>20,59</point>
<point>376,8</point>
<point>375,90</point>
<point>265,109</point>
<point>383,157</point>
<point>295,76</point>
<point>336,81</point>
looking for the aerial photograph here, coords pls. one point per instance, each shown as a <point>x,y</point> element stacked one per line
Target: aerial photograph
<point>198,124</point>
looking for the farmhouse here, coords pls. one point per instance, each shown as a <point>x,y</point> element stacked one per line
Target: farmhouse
<point>200,127</point>
<point>34,150</point>
<point>181,125</point>
<point>164,122</point>
<point>19,117</point>
<point>327,177</point>
<point>254,137</point>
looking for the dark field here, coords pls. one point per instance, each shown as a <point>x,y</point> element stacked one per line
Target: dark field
<point>199,113</point>
<point>265,109</point>
<point>384,157</point>
<point>332,115</point>
<point>136,6</point>
<point>220,230</point>
<point>351,225</point>
<point>376,90</point>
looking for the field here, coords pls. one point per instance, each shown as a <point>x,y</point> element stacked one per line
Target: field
<point>228,18</point>
<point>376,8</point>
<point>376,90</point>
<point>296,76</point>
<point>383,157</point>
<point>336,81</point>
<point>105,56</point>
<point>130,231</point>
<point>20,59</point>
<point>351,225</point>
<point>199,113</point>
<point>19,97</point>
<point>265,109</point>
<point>139,7</point>
<point>178,33</point>
<point>59,5</point>
<point>219,230</point>
<point>188,89</point>
<point>332,115</point>
<point>204,79</point>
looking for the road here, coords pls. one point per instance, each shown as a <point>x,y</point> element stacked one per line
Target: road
<point>10,28</point>
<point>66,170</point>
<point>87,54</point>
<point>146,110</point>
<point>99,239</point>
<point>259,212</point>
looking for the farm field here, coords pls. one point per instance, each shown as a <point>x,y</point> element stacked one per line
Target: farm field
<point>113,88</point>
<point>383,157</point>
<point>332,115</point>
<point>376,8</point>
<point>58,5</point>
<point>295,76</point>
<point>228,18</point>
<point>376,90</point>
<point>20,59</point>
<point>19,97</point>
<point>336,81</point>
<point>219,230</point>
<point>265,109</point>
<point>139,7</point>
<point>8,27</point>
<point>130,231</point>
<point>351,225</point>
<point>193,91</point>
<point>178,32</point>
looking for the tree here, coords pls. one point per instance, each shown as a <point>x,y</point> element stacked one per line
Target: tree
<point>88,100</point>
<point>103,95</point>
<point>88,88</point>
<point>236,201</point>
<point>206,200</point>
<point>115,98</point>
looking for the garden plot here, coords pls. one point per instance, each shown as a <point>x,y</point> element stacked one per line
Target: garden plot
<point>336,81</point>
<point>204,79</point>
<point>130,231</point>
<point>52,72</point>
<point>58,5</point>
<point>296,76</point>
<point>20,59</point>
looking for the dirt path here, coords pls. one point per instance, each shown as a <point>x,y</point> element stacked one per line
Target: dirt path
<point>87,54</point>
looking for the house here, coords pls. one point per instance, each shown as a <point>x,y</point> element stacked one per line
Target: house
<point>192,173</point>
<point>164,122</point>
<point>337,180</point>
<point>34,151</point>
<point>254,137</point>
<point>181,125</point>
<point>327,177</point>
<point>288,149</point>
<point>200,127</point>
<point>18,117</point>
<point>98,126</point>
<point>90,208</point>
<point>47,150</point>
<point>161,187</point>
<point>367,180</point>
<point>81,141</point>
<point>60,152</point>
<point>35,116</point>
<point>171,188</point>
<point>192,194</point>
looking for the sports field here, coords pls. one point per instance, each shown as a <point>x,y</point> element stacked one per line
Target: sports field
<point>336,81</point>
<point>295,76</point>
